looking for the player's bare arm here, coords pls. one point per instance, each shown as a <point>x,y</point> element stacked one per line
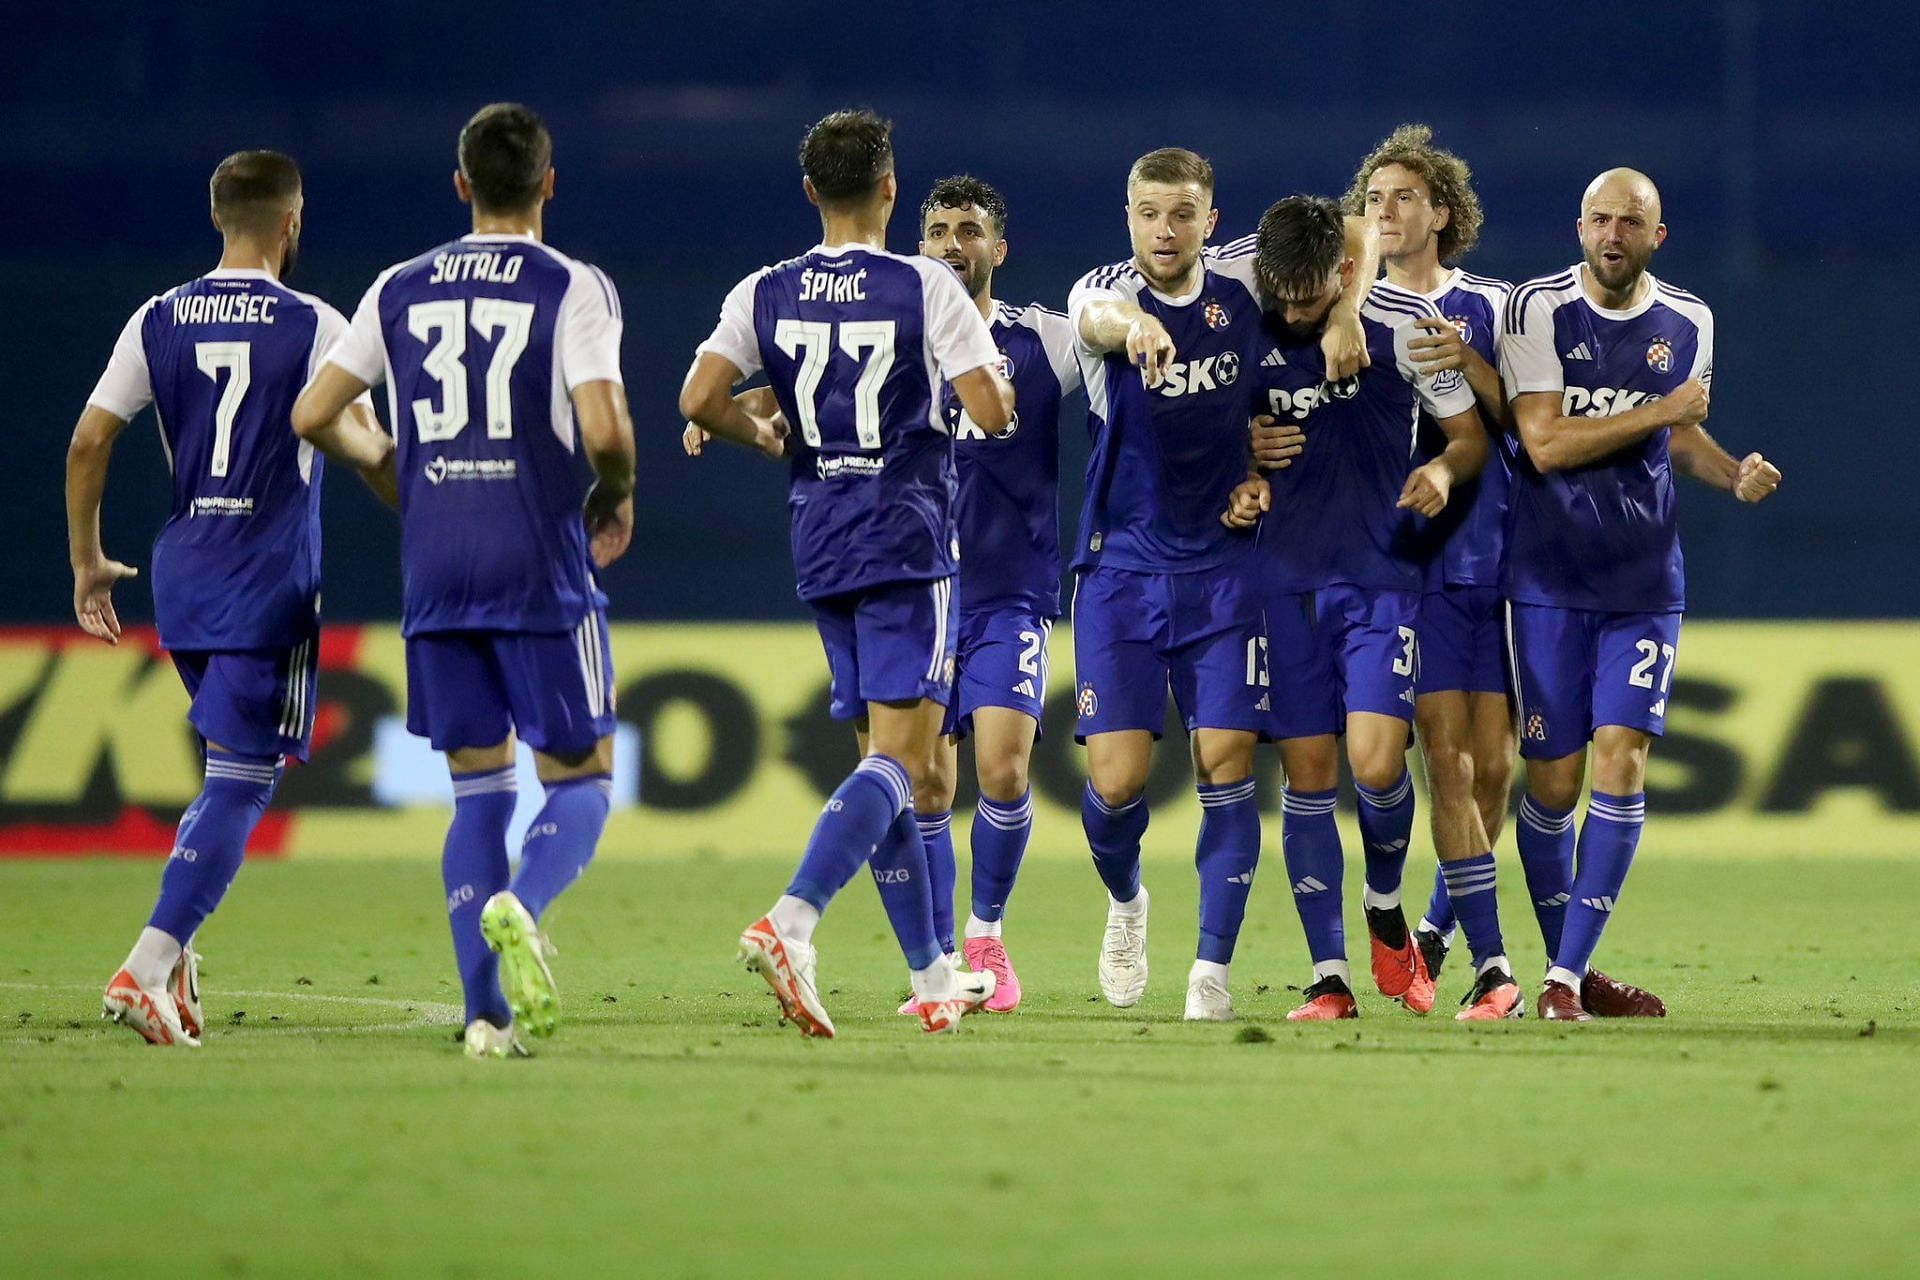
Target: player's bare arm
<point>1431,484</point>
<point>1699,456</point>
<point>1344,344</point>
<point>758,401</point>
<point>1440,347</point>
<point>1555,442</point>
<point>93,573</point>
<point>1111,324</point>
<point>352,436</point>
<point>707,402</point>
<point>606,435</point>
<point>986,396</point>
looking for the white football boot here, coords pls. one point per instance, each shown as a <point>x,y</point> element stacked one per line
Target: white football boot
<point>183,984</point>
<point>1123,953</point>
<point>151,1013</point>
<point>1207,997</point>
<point>484,1040</point>
<point>951,996</point>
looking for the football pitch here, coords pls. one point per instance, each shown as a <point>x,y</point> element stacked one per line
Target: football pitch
<point>331,1126</point>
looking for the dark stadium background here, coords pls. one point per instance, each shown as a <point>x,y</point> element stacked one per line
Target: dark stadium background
<point>1782,135</point>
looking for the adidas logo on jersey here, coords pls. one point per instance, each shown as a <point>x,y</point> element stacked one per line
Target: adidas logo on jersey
<point>1272,360</point>
<point>1580,352</point>
<point>1659,708</point>
<point>1209,373</point>
<point>1024,689</point>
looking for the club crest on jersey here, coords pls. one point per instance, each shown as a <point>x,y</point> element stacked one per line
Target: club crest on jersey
<point>1536,730</point>
<point>1216,316</point>
<point>1006,366</point>
<point>1089,702</point>
<point>1660,356</point>
<point>1462,326</point>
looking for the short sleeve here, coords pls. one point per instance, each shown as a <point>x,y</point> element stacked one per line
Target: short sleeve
<point>590,328</point>
<point>733,339</point>
<point>126,387</point>
<point>1528,361</point>
<point>361,350</point>
<point>956,334</point>
<point>1088,289</point>
<point>1703,353</point>
<point>1057,338</point>
<point>330,329</point>
<point>1443,394</point>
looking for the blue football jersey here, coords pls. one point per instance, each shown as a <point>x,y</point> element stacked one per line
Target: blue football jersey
<point>1602,536</point>
<point>1166,458</point>
<point>856,342</point>
<point>481,342</point>
<point>1008,505</point>
<point>1334,518</point>
<point>1465,543</point>
<point>222,359</point>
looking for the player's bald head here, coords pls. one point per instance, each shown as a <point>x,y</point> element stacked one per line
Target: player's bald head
<point>1623,188</point>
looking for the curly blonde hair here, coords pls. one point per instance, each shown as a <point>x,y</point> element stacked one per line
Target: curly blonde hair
<point>1449,182</point>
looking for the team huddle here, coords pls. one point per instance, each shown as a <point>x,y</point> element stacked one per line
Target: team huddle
<point>1322,504</point>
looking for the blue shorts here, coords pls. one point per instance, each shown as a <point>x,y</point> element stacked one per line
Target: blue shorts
<point>473,688</point>
<point>1002,662</point>
<point>1338,650</point>
<point>889,644</point>
<point>1463,641</point>
<point>257,702</point>
<point>1575,670</point>
<point>1137,635</point>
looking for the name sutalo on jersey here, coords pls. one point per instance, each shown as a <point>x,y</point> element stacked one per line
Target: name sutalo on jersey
<point>498,268</point>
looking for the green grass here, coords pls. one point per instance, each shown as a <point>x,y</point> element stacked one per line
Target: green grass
<point>330,1125</point>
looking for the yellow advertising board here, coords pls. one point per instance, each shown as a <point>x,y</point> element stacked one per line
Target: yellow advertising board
<point>1794,739</point>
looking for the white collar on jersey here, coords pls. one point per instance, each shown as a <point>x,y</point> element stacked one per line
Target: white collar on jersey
<point>1580,274</point>
<point>500,235</point>
<point>240,273</point>
<point>1439,291</point>
<point>834,250</point>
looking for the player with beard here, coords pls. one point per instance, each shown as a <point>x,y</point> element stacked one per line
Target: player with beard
<point>1423,200</point>
<point>1342,578</point>
<point>1164,601</point>
<point>1608,371</point>
<point>236,568</point>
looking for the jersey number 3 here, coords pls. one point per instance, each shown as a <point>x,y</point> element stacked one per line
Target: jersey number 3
<point>443,326</point>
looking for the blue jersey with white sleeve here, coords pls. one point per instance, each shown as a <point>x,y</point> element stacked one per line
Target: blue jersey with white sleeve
<point>856,343</point>
<point>1602,536</point>
<point>1166,458</point>
<point>1465,543</point>
<point>481,342</point>
<point>222,359</point>
<point>1334,517</point>
<point>1008,505</point>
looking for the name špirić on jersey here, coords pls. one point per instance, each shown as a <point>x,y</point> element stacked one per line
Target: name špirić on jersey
<point>1465,543</point>
<point>1602,536</point>
<point>481,342</point>
<point>222,359</point>
<point>856,343</point>
<point>1334,517</point>
<point>1166,458</point>
<point>1008,504</point>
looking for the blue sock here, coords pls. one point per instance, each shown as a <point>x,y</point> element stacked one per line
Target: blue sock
<point>1386,825</point>
<point>212,840</point>
<point>854,822</point>
<point>1470,884</point>
<point>1440,905</point>
<point>1113,833</point>
<point>998,843</point>
<point>1545,838</point>
<point>936,836</point>
<point>473,867</point>
<point>1607,840</point>
<point>1228,851</point>
<point>1310,842</point>
<point>900,873</point>
<point>561,841</point>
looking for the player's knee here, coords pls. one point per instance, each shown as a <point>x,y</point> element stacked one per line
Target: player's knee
<point>1378,769</point>
<point>1554,789</point>
<point>1003,779</point>
<point>1118,786</point>
<point>1311,765</point>
<point>1620,767</point>
<point>1450,773</point>
<point>1219,760</point>
<point>1492,784</point>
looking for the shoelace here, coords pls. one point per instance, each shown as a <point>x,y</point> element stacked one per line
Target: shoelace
<point>1120,937</point>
